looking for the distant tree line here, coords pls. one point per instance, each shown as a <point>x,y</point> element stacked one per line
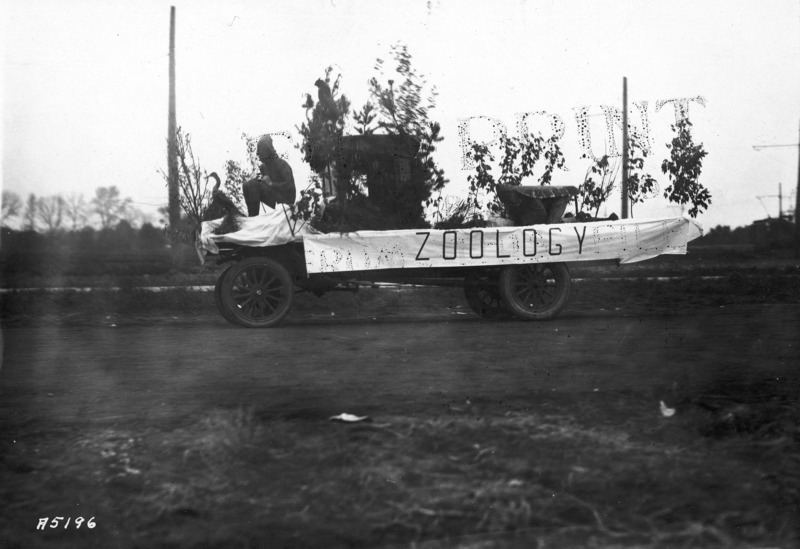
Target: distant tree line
<point>771,233</point>
<point>69,235</point>
<point>121,250</point>
<point>58,213</point>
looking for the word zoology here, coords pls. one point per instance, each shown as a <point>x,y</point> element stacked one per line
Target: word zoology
<point>613,119</point>
<point>625,240</point>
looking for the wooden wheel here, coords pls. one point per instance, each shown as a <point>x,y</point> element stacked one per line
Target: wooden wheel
<point>227,315</point>
<point>483,295</point>
<point>535,291</point>
<point>256,292</point>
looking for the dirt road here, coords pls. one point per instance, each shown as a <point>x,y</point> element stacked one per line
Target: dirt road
<point>313,365</point>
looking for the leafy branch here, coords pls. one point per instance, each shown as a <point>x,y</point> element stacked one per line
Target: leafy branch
<point>684,167</point>
<point>641,186</point>
<point>521,156</point>
<point>310,205</point>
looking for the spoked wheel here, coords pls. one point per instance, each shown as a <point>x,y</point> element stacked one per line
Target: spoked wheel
<point>483,295</point>
<point>256,292</point>
<point>535,291</point>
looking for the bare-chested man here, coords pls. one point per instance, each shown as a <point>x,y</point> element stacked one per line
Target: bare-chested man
<point>274,185</point>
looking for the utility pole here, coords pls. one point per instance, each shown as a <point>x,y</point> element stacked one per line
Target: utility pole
<point>797,195</point>
<point>797,206</point>
<point>779,196</point>
<point>172,131</point>
<point>624,147</point>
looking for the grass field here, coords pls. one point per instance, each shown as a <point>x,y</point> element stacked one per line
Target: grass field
<point>573,472</point>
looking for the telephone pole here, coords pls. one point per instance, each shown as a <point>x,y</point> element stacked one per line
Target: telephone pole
<point>797,205</point>
<point>780,201</point>
<point>797,194</point>
<point>172,130</point>
<point>624,147</point>
<point>779,196</point>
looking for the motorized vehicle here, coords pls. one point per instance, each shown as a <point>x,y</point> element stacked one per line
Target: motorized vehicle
<point>520,270</point>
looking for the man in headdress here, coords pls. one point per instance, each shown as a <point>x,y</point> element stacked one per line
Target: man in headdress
<point>274,185</point>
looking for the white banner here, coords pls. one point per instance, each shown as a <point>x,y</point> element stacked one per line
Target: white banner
<point>624,240</point>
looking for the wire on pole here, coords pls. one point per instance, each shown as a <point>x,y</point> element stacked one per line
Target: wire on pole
<point>759,147</point>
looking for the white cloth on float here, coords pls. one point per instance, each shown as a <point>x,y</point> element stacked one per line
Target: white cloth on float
<point>272,228</point>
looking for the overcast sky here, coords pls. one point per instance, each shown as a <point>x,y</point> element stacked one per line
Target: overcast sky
<point>85,83</point>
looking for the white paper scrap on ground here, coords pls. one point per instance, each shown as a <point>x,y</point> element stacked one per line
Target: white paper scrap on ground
<point>349,418</point>
<point>625,240</point>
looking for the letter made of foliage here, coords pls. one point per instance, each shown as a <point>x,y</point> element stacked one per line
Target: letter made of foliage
<point>641,186</point>
<point>482,184</point>
<point>520,156</point>
<point>601,177</point>
<point>596,187</point>
<point>683,167</point>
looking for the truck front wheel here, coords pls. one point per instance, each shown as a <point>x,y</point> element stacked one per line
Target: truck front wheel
<point>256,292</point>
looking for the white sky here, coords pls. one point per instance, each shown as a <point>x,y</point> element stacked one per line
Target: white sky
<point>85,83</point>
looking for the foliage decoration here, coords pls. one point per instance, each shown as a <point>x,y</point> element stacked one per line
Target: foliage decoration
<point>598,183</point>
<point>640,185</point>
<point>323,127</point>
<point>402,104</point>
<point>520,160</point>
<point>684,167</point>
<point>309,206</point>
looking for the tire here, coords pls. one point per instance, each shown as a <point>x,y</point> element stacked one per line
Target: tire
<point>483,295</point>
<point>535,291</point>
<point>226,314</point>
<point>256,292</point>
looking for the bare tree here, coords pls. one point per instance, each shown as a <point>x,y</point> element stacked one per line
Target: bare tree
<point>109,205</point>
<point>50,211</point>
<point>75,211</point>
<point>30,213</point>
<point>12,205</point>
<point>198,197</point>
<point>194,190</point>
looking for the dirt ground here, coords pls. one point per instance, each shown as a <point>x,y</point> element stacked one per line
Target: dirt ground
<point>649,414</point>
